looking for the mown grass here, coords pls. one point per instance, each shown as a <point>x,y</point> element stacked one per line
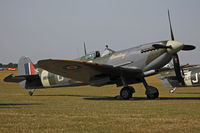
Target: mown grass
<point>95,110</point>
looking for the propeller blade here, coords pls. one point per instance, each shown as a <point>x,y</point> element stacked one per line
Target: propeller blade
<point>188,47</point>
<point>85,49</point>
<point>171,31</point>
<point>178,69</point>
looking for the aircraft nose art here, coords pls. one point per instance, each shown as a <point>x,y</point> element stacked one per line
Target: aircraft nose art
<point>175,47</point>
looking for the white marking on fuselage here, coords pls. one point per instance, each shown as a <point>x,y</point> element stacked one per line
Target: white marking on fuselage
<point>196,80</point>
<point>60,78</point>
<point>187,78</point>
<point>45,79</point>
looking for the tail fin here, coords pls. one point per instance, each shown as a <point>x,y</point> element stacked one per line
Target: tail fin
<point>25,66</point>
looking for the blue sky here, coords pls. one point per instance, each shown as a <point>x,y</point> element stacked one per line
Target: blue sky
<point>44,29</point>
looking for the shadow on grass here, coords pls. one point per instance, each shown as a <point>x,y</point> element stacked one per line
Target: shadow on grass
<point>89,97</point>
<point>144,98</point>
<point>61,95</point>
<point>195,93</point>
<point>16,105</point>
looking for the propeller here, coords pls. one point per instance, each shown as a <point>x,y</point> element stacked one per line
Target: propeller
<point>176,63</point>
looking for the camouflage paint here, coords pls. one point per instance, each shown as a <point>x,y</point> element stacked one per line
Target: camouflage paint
<point>53,80</point>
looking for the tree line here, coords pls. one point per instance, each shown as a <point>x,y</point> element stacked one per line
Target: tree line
<point>10,65</point>
<point>13,65</point>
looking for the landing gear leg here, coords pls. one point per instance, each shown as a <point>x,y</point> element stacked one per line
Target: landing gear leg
<point>151,92</point>
<point>127,91</point>
<point>172,90</point>
<point>31,92</point>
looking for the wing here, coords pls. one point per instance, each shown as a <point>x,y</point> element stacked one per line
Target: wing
<point>85,71</point>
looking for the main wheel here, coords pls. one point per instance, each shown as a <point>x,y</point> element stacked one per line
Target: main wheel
<point>152,92</point>
<point>30,93</point>
<point>127,92</point>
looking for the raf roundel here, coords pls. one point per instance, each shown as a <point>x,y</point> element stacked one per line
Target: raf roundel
<point>71,67</point>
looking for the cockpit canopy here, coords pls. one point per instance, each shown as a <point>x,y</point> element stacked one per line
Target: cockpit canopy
<point>93,55</point>
<point>107,51</point>
<point>96,54</point>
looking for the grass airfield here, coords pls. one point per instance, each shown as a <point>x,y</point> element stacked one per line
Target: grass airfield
<point>94,110</point>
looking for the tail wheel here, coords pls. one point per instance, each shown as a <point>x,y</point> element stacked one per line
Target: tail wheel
<point>30,93</point>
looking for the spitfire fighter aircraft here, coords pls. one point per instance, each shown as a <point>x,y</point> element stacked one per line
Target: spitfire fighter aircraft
<point>122,68</point>
<point>190,75</point>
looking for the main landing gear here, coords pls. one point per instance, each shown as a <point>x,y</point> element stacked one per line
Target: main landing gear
<point>31,92</point>
<point>151,92</point>
<point>127,91</point>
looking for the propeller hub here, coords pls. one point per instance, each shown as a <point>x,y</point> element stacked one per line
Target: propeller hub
<point>175,47</point>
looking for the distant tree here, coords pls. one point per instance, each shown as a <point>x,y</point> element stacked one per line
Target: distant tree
<point>10,65</point>
<point>1,65</point>
<point>15,65</point>
<point>4,65</point>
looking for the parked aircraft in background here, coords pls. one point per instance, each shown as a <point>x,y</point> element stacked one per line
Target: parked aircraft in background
<point>1,69</point>
<point>10,68</point>
<point>122,68</point>
<point>189,74</point>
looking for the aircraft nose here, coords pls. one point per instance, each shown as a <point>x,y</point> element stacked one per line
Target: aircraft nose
<point>175,47</point>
